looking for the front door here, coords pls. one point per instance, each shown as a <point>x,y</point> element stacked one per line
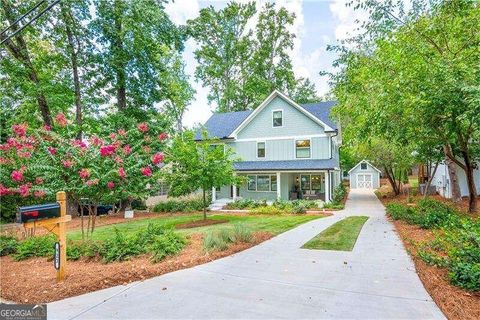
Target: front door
<point>231,191</point>
<point>364,181</point>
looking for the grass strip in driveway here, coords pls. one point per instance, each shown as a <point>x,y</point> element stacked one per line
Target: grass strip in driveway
<point>341,236</point>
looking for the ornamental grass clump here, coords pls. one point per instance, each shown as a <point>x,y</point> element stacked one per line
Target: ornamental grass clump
<point>219,240</point>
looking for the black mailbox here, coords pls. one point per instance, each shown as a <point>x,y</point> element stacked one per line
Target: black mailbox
<point>38,212</point>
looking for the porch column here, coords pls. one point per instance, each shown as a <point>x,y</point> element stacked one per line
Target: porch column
<point>279,190</point>
<point>234,187</point>
<point>327,187</point>
<point>214,194</point>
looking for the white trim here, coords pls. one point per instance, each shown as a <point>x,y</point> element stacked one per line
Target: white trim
<point>273,111</point>
<point>303,137</point>
<point>279,191</point>
<point>214,194</point>
<point>251,172</point>
<point>265,103</point>
<point>327,187</point>
<point>295,149</point>
<point>367,163</point>
<point>330,147</point>
<point>365,174</point>
<point>265,149</point>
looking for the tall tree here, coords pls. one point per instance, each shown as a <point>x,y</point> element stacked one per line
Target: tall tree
<point>133,37</point>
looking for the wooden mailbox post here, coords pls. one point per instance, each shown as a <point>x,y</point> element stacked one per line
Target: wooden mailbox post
<point>58,227</point>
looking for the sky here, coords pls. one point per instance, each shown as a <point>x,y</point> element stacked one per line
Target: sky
<point>318,23</point>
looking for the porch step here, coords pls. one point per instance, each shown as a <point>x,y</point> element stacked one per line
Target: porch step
<point>219,204</point>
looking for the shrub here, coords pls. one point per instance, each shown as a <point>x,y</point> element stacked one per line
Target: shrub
<point>165,244</point>
<point>339,193</point>
<point>267,210</point>
<point>400,212</point>
<point>246,204</point>
<point>298,209</point>
<point>8,245</point>
<point>435,214</point>
<point>139,205</point>
<point>120,247</point>
<point>333,206</point>
<point>181,204</point>
<point>35,247</point>
<point>220,239</point>
<point>84,248</point>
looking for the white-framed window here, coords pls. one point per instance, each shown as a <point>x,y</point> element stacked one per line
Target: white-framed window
<point>302,148</point>
<point>305,182</point>
<point>363,166</point>
<point>252,183</point>
<point>262,183</point>
<point>260,149</point>
<point>277,118</point>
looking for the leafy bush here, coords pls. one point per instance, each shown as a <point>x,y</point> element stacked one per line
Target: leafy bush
<point>246,204</point>
<point>120,247</point>
<point>267,210</point>
<point>181,204</point>
<point>139,205</point>
<point>84,248</point>
<point>165,244</point>
<point>333,206</point>
<point>8,245</point>
<point>218,240</point>
<point>400,212</point>
<point>339,193</point>
<point>435,214</point>
<point>35,247</point>
<point>298,209</point>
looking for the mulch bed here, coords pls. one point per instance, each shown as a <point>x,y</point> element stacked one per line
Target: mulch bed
<point>33,280</point>
<point>199,223</point>
<point>454,302</point>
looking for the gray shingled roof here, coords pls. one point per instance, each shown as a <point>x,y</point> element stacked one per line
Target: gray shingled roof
<point>221,125</point>
<point>307,164</point>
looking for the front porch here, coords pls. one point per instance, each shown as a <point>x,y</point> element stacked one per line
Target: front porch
<point>281,185</point>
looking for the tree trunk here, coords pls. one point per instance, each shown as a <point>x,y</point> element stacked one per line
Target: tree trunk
<point>81,219</point>
<point>472,190</point>
<point>20,52</point>
<point>452,173</point>
<point>204,204</point>
<point>95,210</point>
<point>119,61</point>
<point>430,178</point>
<point>67,18</point>
<point>391,180</point>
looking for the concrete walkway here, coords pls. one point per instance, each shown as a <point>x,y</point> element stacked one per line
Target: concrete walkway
<point>277,279</point>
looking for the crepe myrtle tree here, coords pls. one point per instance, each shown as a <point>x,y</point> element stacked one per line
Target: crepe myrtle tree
<point>198,165</point>
<point>104,169</point>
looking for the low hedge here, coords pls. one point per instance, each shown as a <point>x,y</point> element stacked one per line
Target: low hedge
<point>180,204</point>
<point>456,245</point>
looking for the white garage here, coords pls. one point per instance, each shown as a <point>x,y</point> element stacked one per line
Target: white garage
<point>364,176</point>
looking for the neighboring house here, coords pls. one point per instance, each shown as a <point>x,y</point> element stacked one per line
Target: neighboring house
<point>364,176</point>
<point>441,181</point>
<point>288,150</point>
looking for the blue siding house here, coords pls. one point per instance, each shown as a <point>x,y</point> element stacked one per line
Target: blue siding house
<point>288,151</point>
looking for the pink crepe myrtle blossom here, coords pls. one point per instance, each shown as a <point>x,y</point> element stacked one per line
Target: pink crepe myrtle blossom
<point>157,158</point>
<point>92,182</point>
<point>146,171</point>
<point>24,190</point>
<point>39,193</point>
<point>118,160</point>
<point>38,180</point>
<point>96,141</point>
<point>122,173</point>
<point>113,136</point>
<point>20,129</point>
<point>17,175</point>
<point>146,149</point>
<point>122,132</point>
<point>127,149</point>
<point>142,127</point>
<point>46,127</point>
<point>4,190</point>
<point>67,164</point>
<point>52,150</point>
<point>162,136</point>
<point>110,185</point>
<point>106,151</point>
<point>24,154</point>
<point>61,120</point>
<point>84,173</point>
<point>79,144</point>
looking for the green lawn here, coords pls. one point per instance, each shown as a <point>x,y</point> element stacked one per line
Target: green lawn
<point>339,236</point>
<point>273,224</point>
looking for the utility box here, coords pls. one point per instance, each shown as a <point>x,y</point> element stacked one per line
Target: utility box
<point>38,212</point>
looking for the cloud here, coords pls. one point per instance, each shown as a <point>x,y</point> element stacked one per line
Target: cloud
<point>346,19</point>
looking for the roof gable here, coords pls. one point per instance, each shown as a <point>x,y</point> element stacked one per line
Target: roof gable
<point>274,94</point>
<point>368,163</point>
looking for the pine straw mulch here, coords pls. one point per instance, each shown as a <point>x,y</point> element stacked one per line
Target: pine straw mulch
<point>33,280</point>
<point>454,302</point>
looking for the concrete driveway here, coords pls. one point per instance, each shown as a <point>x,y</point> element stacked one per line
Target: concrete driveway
<point>277,279</point>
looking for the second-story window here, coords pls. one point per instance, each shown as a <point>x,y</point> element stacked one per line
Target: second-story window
<point>302,148</point>
<point>260,149</point>
<point>277,118</point>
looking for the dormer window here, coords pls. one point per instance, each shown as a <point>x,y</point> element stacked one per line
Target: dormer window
<point>277,116</point>
<point>363,166</point>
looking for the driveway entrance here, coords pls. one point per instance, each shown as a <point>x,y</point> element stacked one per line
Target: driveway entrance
<point>277,279</point>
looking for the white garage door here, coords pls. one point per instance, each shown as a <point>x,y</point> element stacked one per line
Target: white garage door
<point>364,180</point>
